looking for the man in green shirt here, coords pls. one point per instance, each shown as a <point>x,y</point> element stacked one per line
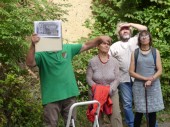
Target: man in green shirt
<point>58,84</point>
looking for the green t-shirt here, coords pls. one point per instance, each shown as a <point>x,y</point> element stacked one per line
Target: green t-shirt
<point>56,73</point>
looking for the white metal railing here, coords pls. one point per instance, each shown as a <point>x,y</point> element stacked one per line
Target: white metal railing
<point>70,118</point>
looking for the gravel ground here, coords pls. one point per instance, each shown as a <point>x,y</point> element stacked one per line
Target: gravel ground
<point>165,124</point>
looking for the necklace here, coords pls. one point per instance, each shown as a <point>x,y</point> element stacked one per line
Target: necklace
<point>145,49</point>
<point>102,61</point>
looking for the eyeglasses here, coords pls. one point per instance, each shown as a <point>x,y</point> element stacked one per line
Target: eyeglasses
<point>144,36</point>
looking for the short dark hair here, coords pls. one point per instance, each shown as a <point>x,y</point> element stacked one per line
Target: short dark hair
<point>145,32</point>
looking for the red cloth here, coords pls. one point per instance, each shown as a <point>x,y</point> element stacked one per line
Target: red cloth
<point>101,94</point>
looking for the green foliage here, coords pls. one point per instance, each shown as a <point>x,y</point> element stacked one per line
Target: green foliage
<point>81,120</point>
<point>17,23</point>
<point>80,63</point>
<point>107,13</point>
<point>152,13</point>
<point>19,93</point>
<point>20,104</point>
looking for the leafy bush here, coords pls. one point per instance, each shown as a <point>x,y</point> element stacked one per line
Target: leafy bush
<point>80,63</point>
<point>152,13</point>
<point>20,104</point>
<point>17,24</point>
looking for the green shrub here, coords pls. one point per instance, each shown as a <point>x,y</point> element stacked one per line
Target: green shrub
<point>152,13</point>
<point>20,104</point>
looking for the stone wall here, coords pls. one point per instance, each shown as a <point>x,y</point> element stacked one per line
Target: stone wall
<point>73,29</point>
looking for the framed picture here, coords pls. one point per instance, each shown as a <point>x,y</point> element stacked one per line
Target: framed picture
<point>48,28</point>
<point>50,33</point>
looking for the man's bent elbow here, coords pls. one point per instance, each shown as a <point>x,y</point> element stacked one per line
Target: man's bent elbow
<point>130,73</point>
<point>30,64</point>
<point>160,72</point>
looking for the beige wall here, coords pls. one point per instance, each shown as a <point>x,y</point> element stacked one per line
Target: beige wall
<point>78,13</point>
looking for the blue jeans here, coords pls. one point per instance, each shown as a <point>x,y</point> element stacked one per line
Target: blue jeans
<point>125,89</point>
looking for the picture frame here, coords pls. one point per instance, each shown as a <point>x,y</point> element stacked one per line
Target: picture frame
<point>50,33</point>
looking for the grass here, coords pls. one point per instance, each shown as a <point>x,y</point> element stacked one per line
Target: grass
<point>81,120</point>
<point>164,116</point>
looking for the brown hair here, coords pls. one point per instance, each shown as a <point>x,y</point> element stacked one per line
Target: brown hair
<point>147,33</point>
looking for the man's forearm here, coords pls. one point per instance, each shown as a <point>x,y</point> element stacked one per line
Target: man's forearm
<point>93,43</point>
<point>138,26</point>
<point>90,44</point>
<point>30,59</point>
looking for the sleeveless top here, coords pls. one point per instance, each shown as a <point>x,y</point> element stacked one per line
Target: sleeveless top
<point>145,66</point>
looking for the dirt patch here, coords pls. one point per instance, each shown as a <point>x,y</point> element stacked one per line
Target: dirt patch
<point>165,124</point>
